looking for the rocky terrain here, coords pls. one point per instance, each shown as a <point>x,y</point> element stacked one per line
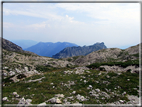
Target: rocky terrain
<point>77,51</point>
<point>111,77</point>
<point>107,55</point>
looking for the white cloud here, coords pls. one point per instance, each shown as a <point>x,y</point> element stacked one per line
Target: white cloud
<point>8,25</point>
<point>37,26</point>
<point>114,24</point>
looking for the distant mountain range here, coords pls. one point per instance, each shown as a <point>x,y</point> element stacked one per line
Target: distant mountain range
<point>77,51</point>
<point>48,48</point>
<point>24,43</point>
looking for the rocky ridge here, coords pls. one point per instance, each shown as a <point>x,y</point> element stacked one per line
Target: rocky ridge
<point>25,64</point>
<point>77,51</point>
<point>10,46</point>
<point>107,55</point>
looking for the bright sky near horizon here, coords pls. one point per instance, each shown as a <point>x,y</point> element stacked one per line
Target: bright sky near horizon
<point>115,24</point>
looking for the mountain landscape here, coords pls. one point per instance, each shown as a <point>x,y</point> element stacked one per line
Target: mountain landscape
<point>108,76</point>
<point>77,51</point>
<point>49,48</point>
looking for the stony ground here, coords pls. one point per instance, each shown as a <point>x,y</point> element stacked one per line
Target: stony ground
<point>76,86</point>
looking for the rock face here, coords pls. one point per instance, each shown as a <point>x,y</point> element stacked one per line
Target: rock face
<point>10,46</point>
<point>77,51</point>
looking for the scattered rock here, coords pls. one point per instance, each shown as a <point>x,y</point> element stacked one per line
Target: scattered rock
<point>14,93</point>
<point>26,69</point>
<point>28,101</point>
<point>73,92</point>
<point>133,69</point>
<point>21,102</point>
<point>81,98</point>
<point>68,72</point>
<point>54,100</point>
<point>24,102</point>
<point>51,83</point>
<point>133,99</point>
<point>59,95</point>
<point>5,99</point>
<point>35,80</point>
<point>98,90</point>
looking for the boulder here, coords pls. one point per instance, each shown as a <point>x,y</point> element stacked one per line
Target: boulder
<point>54,100</point>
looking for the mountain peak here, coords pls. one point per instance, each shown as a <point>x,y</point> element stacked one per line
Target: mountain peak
<point>77,51</point>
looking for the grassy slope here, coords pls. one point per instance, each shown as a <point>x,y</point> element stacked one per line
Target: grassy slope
<point>44,91</point>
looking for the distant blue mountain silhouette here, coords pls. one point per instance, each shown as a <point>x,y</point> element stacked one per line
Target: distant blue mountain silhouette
<point>48,48</point>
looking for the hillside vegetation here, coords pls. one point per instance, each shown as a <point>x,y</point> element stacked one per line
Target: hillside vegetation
<point>107,76</point>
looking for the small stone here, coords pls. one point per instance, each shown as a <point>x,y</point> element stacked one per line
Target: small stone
<point>73,92</point>
<point>70,97</point>
<point>54,100</point>
<point>59,95</point>
<point>28,88</point>
<point>85,81</point>
<point>88,71</point>
<point>90,86</point>
<point>98,90</point>
<point>5,74</point>
<point>28,101</point>
<point>100,73</point>
<point>26,69</point>
<point>21,102</point>
<point>14,93</point>
<point>5,67</point>
<point>121,101</point>
<point>17,96</point>
<point>5,99</point>
<point>108,76</point>
<point>51,83</point>
<point>58,101</point>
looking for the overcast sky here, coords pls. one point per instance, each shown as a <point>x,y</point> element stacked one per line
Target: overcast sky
<point>115,24</point>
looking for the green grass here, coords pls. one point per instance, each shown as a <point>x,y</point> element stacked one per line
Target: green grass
<point>121,64</point>
<point>44,90</point>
